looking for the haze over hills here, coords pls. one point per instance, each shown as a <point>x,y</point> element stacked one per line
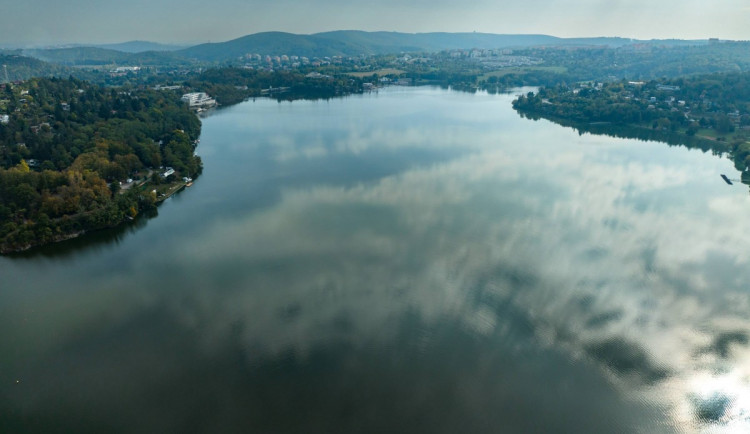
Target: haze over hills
<point>103,56</point>
<point>19,67</point>
<point>563,58</point>
<point>336,43</point>
<point>141,46</point>
<point>355,42</point>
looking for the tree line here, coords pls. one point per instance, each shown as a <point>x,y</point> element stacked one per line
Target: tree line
<point>67,146</point>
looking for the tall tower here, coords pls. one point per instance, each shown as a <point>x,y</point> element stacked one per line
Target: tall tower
<point>5,68</point>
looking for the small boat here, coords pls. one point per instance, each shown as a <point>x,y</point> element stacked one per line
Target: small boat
<point>189,184</point>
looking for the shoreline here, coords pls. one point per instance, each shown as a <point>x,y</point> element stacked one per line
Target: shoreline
<point>169,192</point>
<point>633,131</point>
<point>174,188</point>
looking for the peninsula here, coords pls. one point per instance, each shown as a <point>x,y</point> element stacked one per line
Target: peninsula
<point>77,157</point>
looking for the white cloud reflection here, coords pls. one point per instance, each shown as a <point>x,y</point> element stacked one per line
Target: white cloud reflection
<point>617,252</point>
<point>631,243</point>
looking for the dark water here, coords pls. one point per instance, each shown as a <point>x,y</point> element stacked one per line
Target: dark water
<point>409,261</point>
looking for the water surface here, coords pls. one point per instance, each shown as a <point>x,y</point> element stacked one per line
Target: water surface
<point>413,260</point>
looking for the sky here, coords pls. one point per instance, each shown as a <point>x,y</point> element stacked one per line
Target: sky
<point>51,22</point>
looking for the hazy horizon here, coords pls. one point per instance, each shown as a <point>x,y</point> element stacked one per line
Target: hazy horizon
<point>42,22</point>
<point>186,44</point>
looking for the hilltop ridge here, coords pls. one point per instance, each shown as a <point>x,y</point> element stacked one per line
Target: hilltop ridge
<point>325,44</point>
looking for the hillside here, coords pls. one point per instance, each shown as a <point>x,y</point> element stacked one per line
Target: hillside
<point>67,144</point>
<point>327,44</point>
<point>354,42</point>
<point>389,42</point>
<point>272,43</point>
<point>140,47</point>
<point>78,56</point>
<point>22,68</point>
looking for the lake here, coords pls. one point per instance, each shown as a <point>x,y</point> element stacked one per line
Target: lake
<point>411,260</point>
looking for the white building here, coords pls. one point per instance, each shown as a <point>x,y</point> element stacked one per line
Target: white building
<point>160,87</point>
<point>125,69</point>
<point>4,119</point>
<point>198,99</point>
<point>317,75</point>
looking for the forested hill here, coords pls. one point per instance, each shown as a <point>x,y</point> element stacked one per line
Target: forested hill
<point>95,56</point>
<point>65,146</point>
<point>354,43</point>
<point>645,61</point>
<point>141,46</point>
<point>20,67</point>
<point>609,55</point>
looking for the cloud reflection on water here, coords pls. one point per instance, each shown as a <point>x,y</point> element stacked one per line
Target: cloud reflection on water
<point>530,239</point>
<point>617,263</point>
